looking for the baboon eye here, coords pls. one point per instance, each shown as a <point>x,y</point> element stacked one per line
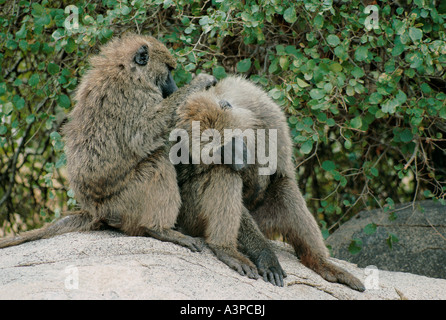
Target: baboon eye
<point>142,55</point>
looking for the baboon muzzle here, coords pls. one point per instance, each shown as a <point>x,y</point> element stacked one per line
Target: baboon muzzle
<point>169,86</point>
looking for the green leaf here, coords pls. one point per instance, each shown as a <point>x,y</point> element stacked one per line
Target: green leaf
<point>23,44</point>
<point>30,119</point>
<point>55,136</point>
<point>2,88</point>
<point>302,83</point>
<point>391,240</point>
<point>333,40</point>
<point>62,161</point>
<point>375,98</point>
<point>293,120</point>
<point>390,106</point>
<point>307,147</point>
<point>219,72</point>
<point>356,122</point>
<point>406,136</point>
<point>328,165</point>
<point>355,246</point>
<point>416,59</point>
<point>37,10</point>
<point>370,229</point>
<point>401,97</point>
<point>415,34</point>
<point>318,21</point>
<point>33,80</point>
<point>21,34</point>
<point>357,72</point>
<point>348,144</point>
<point>53,68</point>
<point>398,49</point>
<point>341,52</point>
<point>425,88</point>
<point>336,67</point>
<point>11,44</point>
<point>317,93</point>
<point>3,129</point>
<point>244,65</point>
<point>290,15</point>
<point>64,101</point>
<point>70,46</point>
<point>361,53</point>
<point>8,108</point>
<point>19,102</point>
<point>125,10</point>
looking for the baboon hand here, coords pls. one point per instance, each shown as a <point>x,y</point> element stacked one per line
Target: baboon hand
<point>203,82</point>
<point>269,268</point>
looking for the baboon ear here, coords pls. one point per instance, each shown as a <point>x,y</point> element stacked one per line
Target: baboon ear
<point>142,55</point>
<point>238,156</point>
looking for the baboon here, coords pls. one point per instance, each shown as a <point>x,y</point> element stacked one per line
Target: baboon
<point>220,199</point>
<point>116,144</point>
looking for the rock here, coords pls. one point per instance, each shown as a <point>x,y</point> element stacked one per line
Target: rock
<point>421,246</point>
<point>110,265</point>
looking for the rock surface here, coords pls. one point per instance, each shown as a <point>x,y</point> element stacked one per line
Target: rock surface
<point>110,265</point>
<point>421,233</point>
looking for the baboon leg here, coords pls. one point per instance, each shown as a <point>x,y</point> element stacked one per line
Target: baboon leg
<point>150,205</point>
<point>76,221</point>
<point>285,211</point>
<point>254,245</point>
<point>213,200</point>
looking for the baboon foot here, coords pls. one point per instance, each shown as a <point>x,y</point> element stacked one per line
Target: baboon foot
<point>269,267</point>
<point>235,261</point>
<point>169,235</point>
<point>333,273</point>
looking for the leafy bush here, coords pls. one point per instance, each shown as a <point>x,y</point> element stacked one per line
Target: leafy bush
<point>366,98</point>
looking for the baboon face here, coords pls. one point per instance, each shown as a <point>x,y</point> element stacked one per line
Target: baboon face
<point>164,81</point>
<point>142,60</point>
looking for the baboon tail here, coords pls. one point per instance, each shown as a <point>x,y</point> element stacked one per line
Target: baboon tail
<point>76,221</point>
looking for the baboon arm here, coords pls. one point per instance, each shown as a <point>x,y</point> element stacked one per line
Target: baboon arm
<point>253,244</point>
<point>285,211</point>
<point>150,130</point>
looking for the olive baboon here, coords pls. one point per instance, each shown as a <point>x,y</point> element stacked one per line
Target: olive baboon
<point>218,200</point>
<point>116,144</point>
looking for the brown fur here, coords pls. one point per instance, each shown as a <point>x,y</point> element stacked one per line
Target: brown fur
<point>218,201</point>
<point>116,149</point>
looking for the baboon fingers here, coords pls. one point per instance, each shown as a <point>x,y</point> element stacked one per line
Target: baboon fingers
<point>235,261</point>
<point>249,271</point>
<point>275,279</point>
<point>204,81</point>
<point>273,275</point>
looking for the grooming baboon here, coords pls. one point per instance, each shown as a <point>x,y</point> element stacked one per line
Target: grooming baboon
<point>219,198</point>
<point>116,144</point>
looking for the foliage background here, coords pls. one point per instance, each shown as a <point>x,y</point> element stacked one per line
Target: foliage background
<point>367,108</point>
